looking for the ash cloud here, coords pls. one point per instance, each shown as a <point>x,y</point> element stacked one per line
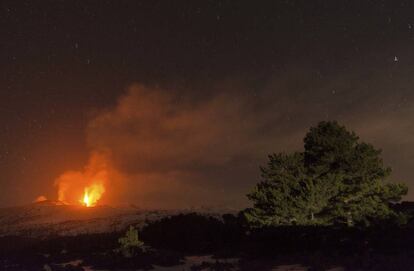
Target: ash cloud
<point>178,150</point>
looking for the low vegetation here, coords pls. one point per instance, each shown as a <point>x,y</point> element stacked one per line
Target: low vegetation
<point>130,243</point>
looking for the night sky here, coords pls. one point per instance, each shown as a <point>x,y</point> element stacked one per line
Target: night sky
<point>190,96</point>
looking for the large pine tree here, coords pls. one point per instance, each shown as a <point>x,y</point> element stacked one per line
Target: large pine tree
<point>337,179</point>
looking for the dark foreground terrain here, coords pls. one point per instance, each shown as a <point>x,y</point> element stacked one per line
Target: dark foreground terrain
<point>204,242</point>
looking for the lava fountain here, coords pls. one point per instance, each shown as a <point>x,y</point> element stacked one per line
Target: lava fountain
<point>85,187</point>
<point>92,194</point>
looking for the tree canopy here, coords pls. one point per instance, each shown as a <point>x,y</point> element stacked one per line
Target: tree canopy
<point>336,179</point>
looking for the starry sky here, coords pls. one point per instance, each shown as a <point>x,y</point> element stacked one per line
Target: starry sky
<point>190,96</point>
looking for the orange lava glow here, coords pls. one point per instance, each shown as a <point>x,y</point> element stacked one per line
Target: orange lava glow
<point>40,199</point>
<point>85,187</point>
<point>92,194</point>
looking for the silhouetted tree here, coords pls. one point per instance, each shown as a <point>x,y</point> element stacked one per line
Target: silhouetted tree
<point>337,179</point>
<point>130,243</point>
<point>288,195</point>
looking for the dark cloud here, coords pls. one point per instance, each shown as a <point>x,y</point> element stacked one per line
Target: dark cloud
<point>181,147</point>
<point>182,150</point>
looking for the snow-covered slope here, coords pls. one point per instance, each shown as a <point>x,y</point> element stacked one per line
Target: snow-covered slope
<point>54,218</point>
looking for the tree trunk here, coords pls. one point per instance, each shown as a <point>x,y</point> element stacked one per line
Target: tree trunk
<point>349,221</point>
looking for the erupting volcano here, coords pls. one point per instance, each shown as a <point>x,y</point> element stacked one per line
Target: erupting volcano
<point>85,187</point>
